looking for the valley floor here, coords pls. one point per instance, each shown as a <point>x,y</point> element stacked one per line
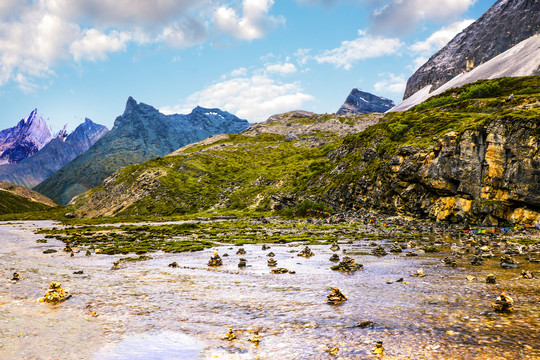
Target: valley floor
<point>149,310</point>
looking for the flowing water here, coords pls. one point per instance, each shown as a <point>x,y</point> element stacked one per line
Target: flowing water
<point>147,310</point>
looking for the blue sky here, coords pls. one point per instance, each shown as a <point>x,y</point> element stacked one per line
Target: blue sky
<point>73,59</point>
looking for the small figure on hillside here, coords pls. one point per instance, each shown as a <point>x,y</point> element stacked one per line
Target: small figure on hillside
<point>306,252</point>
<point>215,260</point>
<point>336,297</point>
<point>503,303</point>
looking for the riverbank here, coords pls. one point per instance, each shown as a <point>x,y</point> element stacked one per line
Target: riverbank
<point>147,308</point>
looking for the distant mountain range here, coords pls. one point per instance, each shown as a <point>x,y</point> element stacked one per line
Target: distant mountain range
<point>139,134</point>
<point>25,139</point>
<point>361,102</point>
<point>59,151</point>
<point>504,27</point>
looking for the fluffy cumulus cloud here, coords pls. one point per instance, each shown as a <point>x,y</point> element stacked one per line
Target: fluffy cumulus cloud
<point>364,47</point>
<point>390,84</point>
<point>254,97</point>
<point>282,69</point>
<point>401,16</point>
<point>254,22</point>
<point>36,35</point>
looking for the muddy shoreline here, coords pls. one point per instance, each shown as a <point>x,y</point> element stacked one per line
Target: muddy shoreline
<point>146,308</point>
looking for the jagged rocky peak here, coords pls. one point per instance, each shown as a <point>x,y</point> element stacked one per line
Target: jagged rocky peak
<point>505,24</point>
<point>361,102</point>
<point>26,138</point>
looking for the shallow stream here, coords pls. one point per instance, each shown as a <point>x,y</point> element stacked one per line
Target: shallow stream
<point>147,310</point>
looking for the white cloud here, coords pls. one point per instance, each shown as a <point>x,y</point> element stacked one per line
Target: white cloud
<point>35,35</point>
<point>402,16</point>
<point>95,45</point>
<point>254,98</point>
<point>254,23</point>
<point>394,84</point>
<point>282,69</point>
<point>364,47</point>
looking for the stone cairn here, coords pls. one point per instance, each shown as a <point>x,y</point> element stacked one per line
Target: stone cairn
<point>272,262</point>
<point>336,297</point>
<point>334,258</point>
<point>306,252</point>
<point>348,265</point>
<point>215,260</point>
<point>378,251</point>
<point>503,303</point>
<point>241,251</point>
<point>55,294</point>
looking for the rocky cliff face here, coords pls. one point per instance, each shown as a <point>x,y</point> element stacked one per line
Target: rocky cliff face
<point>23,140</point>
<point>57,153</point>
<point>139,134</point>
<point>361,102</point>
<point>505,24</point>
<point>488,174</point>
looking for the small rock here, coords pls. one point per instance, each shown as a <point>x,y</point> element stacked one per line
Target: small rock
<point>173,265</point>
<point>88,253</point>
<point>379,251</point>
<point>333,350</point>
<point>507,262</point>
<point>399,280</point>
<point>334,247</point>
<point>364,324</point>
<point>79,272</point>
<point>280,271</point>
<point>419,273</point>
<point>334,258</point>
<point>476,261</point>
<point>396,248</point>
<point>527,274</point>
<point>49,251</point>
<point>449,261</point>
<point>336,297</point>
<point>265,247</point>
<point>116,265</point>
<point>271,254</point>
<point>490,279</point>
<point>242,263</point>
<point>241,251</point>
<point>503,303</point>
<point>470,278</point>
